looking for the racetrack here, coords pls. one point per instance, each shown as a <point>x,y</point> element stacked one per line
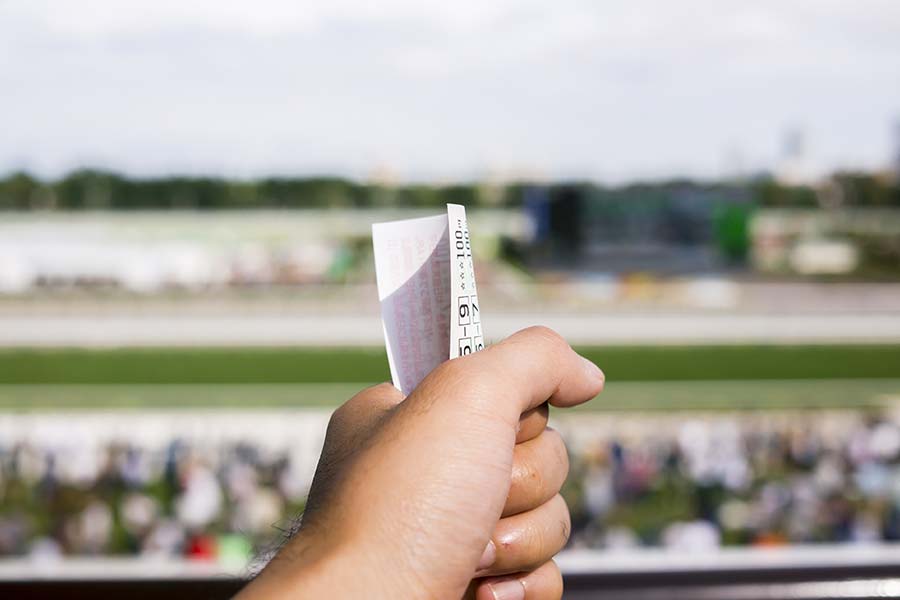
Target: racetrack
<point>236,329</point>
<point>639,396</point>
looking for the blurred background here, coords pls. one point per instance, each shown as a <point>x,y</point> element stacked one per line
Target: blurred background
<point>703,197</point>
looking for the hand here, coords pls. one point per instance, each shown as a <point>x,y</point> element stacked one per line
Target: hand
<point>452,492</point>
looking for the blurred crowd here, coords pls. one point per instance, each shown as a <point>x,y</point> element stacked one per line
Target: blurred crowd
<point>205,485</point>
<point>759,479</point>
<point>689,482</point>
<point>184,501</point>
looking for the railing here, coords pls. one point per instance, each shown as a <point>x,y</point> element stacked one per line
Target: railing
<point>798,573</point>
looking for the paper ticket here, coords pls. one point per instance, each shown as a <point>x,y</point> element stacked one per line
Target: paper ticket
<point>426,285</point>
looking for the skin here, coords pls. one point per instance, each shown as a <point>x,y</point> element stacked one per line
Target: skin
<point>452,492</point>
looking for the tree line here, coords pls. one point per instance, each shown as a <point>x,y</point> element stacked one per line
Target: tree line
<point>91,189</point>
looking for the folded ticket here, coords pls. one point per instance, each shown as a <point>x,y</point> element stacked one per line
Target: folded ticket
<point>426,285</point>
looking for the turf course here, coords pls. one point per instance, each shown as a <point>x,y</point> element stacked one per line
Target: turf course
<point>329,365</point>
<point>639,378</point>
<point>618,396</point>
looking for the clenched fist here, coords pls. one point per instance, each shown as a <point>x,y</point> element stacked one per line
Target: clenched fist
<point>452,492</point>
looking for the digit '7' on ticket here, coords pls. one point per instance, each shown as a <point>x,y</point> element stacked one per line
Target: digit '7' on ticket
<point>426,285</point>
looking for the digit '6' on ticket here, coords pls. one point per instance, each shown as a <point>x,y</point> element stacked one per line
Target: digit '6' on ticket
<point>426,285</point>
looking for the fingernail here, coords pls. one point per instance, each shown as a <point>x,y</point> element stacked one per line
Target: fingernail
<point>488,556</point>
<point>510,589</point>
<point>592,370</point>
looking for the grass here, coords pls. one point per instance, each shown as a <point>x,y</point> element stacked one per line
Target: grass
<point>619,396</point>
<point>329,365</point>
<point>638,378</point>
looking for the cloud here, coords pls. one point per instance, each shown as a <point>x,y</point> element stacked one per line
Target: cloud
<point>617,89</point>
<point>90,18</point>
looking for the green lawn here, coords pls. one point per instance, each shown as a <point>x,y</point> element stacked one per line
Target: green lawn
<point>619,396</point>
<point>328,365</point>
<point>638,378</point>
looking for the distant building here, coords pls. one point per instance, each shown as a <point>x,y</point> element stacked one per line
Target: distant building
<point>665,229</point>
<point>794,166</point>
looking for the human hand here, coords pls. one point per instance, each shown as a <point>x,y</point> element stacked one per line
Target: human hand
<point>452,492</point>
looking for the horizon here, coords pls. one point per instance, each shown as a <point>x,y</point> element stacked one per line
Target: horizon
<point>746,179</point>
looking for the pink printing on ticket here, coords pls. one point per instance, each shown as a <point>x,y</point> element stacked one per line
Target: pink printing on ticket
<point>426,285</point>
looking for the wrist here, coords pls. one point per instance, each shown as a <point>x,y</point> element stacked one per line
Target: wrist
<point>366,568</point>
<point>317,564</point>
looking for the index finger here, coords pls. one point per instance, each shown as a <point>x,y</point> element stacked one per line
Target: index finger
<point>532,423</point>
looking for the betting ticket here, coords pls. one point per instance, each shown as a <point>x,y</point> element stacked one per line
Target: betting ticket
<point>426,285</point>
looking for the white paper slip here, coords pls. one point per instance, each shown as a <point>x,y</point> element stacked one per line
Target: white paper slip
<point>426,285</point>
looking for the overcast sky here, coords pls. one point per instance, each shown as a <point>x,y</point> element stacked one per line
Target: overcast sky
<point>609,90</point>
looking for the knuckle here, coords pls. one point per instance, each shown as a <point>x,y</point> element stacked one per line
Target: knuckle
<point>547,336</point>
<point>385,395</point>
<point>564,464</point>
<point>383,389</point>
<point>339,417</point>
<point>560,452</point>
<point>538,472</point>
<point>548,534</point>
<point>351,411</point>
<point>554,348</point>
<point>564,520</point>
<point>566,528</point>
<point>528,477</point>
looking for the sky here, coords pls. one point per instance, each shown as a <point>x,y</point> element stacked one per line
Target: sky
<point>612,91</point>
